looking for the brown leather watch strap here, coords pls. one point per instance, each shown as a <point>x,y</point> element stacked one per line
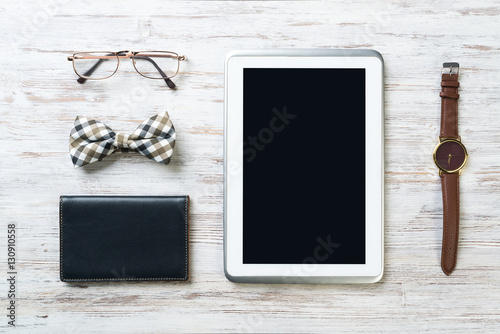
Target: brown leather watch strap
<point>449,105</point>
<point>450,182</point>
<point>451,215</point>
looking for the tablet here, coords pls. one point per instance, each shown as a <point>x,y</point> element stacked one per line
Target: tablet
<point>304,166</point>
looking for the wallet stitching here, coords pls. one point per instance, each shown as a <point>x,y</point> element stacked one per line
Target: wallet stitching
<point>61,238</point>
<point>124,278</point>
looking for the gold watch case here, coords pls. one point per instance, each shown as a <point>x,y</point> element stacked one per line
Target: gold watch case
<point>445,151</point>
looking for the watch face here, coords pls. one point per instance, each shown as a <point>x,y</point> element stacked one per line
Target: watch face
<point>450,155</point>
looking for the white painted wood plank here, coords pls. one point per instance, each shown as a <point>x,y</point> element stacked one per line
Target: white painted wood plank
<point>39,99</point>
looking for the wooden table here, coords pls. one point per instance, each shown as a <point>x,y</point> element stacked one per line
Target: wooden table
<point>40,99</point>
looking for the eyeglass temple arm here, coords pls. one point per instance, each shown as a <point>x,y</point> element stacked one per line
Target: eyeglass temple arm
<point>89,72</point>
<point>169,82</point>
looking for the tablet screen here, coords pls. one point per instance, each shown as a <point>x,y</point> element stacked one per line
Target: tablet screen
<point>304,166</point>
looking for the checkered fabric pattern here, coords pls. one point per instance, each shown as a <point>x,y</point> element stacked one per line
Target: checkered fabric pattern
<point>91,140</point>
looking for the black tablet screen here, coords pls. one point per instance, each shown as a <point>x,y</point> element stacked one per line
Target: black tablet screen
<point>304,166</point>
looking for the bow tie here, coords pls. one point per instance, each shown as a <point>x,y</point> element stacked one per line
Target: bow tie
<point>91,140</point>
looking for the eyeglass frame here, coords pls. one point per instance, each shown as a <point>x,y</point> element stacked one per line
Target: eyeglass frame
<point>128,55</point>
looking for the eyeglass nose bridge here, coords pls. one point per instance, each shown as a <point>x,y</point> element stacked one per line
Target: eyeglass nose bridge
<point>127,54</point>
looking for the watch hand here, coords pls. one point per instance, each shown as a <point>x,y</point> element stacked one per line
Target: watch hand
<point>449,158</point>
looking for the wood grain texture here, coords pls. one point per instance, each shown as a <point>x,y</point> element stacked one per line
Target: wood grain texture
<point>40,99</point>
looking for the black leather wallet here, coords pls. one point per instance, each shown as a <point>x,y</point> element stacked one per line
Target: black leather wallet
<point>124,238</point>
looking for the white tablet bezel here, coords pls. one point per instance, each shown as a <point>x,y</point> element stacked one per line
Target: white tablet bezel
<point>308,272</point>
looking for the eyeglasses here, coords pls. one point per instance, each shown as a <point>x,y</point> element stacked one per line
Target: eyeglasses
<point>98,65</point>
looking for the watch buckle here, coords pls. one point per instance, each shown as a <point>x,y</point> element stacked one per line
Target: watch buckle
<point>450,68</point>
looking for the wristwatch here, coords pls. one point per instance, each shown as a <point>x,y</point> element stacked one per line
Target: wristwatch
<point>450,157</point>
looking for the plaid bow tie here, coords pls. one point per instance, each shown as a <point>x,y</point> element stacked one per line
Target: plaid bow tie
<point>91,140</point>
